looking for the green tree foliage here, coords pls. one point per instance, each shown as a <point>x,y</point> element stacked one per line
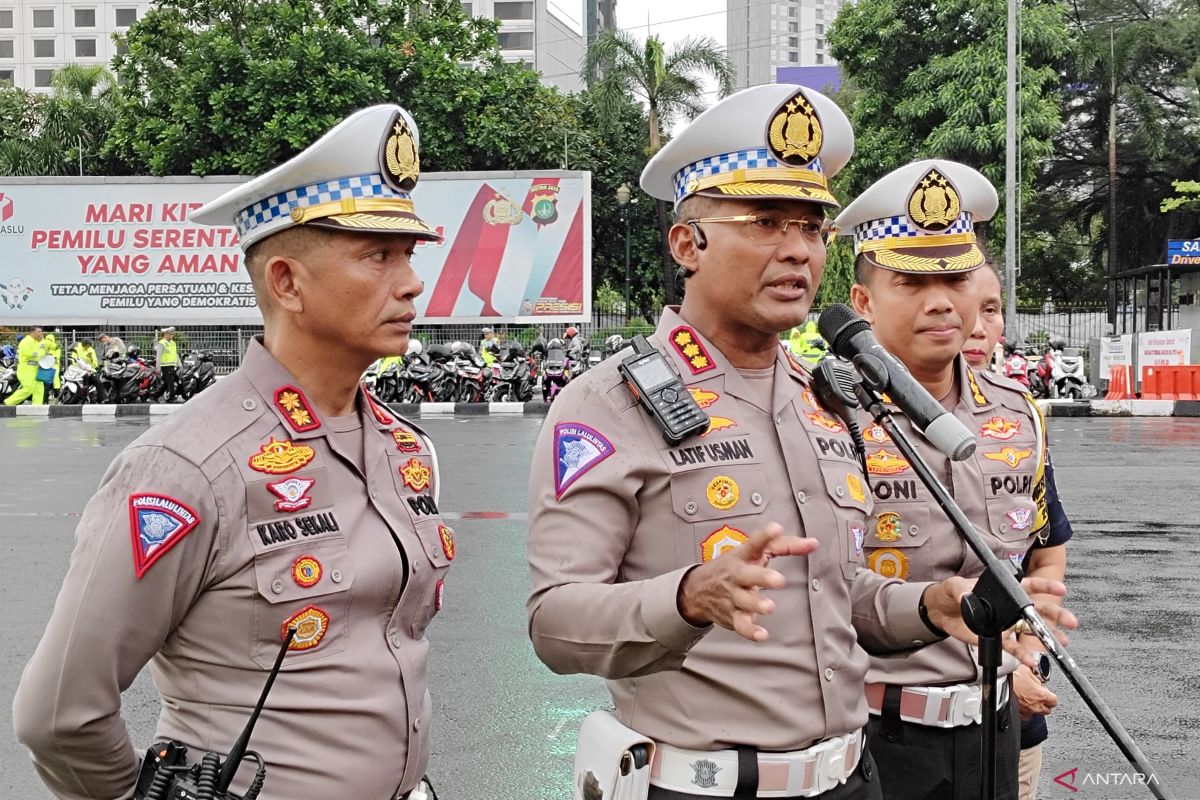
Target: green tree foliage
<point>235,87</point>
<point>62,133</point>
<point>670,83</point>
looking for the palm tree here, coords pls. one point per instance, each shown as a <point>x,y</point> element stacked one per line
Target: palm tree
<point>61,133</point>
<point>670,84</point>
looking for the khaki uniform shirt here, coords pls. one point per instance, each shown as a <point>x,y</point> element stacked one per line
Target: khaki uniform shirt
<point>243,514</point>
<point>1001,489</point>
<point>617,518</point>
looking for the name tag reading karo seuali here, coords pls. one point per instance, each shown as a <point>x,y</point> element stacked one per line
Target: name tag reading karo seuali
<point>289,530</point>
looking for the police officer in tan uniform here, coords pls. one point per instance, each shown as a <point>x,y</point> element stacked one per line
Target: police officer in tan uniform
<point>917,261</point>
<point>718,584</point>
<point>283,497</point>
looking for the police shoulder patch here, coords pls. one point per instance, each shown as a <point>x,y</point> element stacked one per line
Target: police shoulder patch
<point>577,449</point>
<point>156,524</point>
<point>691,349</point>
<point>296,409</point>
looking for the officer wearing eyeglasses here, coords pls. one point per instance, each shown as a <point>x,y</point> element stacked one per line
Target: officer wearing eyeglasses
<point>718,583</point>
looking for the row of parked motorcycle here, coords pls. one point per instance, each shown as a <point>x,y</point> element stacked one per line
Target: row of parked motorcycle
<point>1055,373</point>
<point>120,378</point>
<point>457,372</point>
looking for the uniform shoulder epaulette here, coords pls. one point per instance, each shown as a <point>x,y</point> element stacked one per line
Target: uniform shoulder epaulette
<point>1002,382</point>
<point>225,414</point>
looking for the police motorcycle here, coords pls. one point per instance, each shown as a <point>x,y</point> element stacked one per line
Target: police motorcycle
<point>469,370</point>
<point>1015,366</point>
<point>511,380</point>
<point>388,383</point>
<point>129,379</point>
<point>1066,373</point>
<point>443,376</point>
<point>416,373</point>
<point>614,344</point>
<point>8,371</point>
<point>80,384</point>
<point>196,373</point>
<point>556,370</point>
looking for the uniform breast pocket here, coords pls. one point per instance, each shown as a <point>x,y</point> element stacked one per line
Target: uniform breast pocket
<point>895,532</point>
<point>306,585</point>
<point>438,549</point>
<point>1011,520</point>
<point>717,509</point>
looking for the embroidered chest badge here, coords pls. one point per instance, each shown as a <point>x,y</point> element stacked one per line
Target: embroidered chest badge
<point>876,434</point>
<point>577,449</point>
<point>447,537</point>
<point>156,524</point>
<point>406,441</point>
<point>306,572</point>
<point>720,542</point>
<point>703,397</point>
<point>859,533</point>
<point>723,493</point>
<point>1021,518</point>
<point>823,422</point>
<point>1010,456</point>
<point>887,526</point>
<point>685,342</point>
<point>716,424</point>
<point>292,493</point>
<point>311,624</point>
<point>881,462</point>
<point>281,457</point>
<point>1000,428</point>
<point>415,474</point>
<point>295,407</point>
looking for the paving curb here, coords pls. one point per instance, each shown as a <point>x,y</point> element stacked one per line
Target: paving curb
<point>1052,408</point>
<point>160,410</point>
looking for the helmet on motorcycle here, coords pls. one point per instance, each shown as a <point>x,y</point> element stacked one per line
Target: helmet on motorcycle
<point>559,343</point>
<point>514,348</point>
<point>134,352</point>
<point>539,345</point>
<point>414,347</point>
<point>614,343</point>
<point>571,332</point>
<point>438,352</point>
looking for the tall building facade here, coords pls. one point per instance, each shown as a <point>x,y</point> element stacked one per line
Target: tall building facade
<point>764,35</point>
<point>550,36</point>
<point>36,38</point>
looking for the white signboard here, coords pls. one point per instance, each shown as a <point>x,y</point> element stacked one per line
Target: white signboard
<point>1164,348</point>
<point>1115,351</point>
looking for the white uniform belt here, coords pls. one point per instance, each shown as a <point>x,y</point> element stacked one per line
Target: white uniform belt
<point>802,773</point>
<point>938,706</point>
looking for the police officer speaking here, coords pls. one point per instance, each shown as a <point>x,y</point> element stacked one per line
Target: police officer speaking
<point>917,259</point>
<point>284,497</point>
<point>718,582</point>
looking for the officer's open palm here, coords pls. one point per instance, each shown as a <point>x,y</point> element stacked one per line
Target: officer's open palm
<point>726,590</point>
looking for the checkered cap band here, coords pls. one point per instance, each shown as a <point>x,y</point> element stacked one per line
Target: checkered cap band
<point>266,211</point>
<point>902,227</point>
<point>728,162</point>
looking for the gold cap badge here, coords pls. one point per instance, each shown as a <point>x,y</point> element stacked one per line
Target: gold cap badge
<point>934,204</point>
<point>399,162</point>
<point>794,135</point>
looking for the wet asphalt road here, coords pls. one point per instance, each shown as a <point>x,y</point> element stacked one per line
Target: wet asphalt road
<point>504,726</point>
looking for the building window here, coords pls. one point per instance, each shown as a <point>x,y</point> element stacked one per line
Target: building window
<point>467,9</point>
<point>6,18</point>
<point>6,76</point>
<point>85,18</point>
<point>820,29</point>
<point>126,17</point>
<point>85,48</point>
<point>820,58</point>
<point>820,44</point>
<point>793,57</point>
<point>503,10</point>
<point>6,48</point>
<point>793,27</point>
<point>820,13</point>
<point>793,41</point>
<point>791,11</point>
<point>43,18</point>
<point>516,40</point>
<point>42,78</point>
<point>43,48</point>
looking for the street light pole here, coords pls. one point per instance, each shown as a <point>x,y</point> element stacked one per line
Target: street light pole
<point>624,193</point>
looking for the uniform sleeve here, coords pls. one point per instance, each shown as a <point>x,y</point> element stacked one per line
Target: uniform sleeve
<point>1040,486</point>
<point>885,614</point>
<point>1059,530</point>
<point>583,510</point>
<point>156,514</point>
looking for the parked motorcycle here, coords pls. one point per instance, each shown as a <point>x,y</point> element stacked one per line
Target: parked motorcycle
<point>556,370</point>
<point>1067,373</point>
<point>511,375</point>
<point>80,384</point>
<point>197,373</point>
<point>8,371</point>
<point>469,372</point>
<point>443,376</point>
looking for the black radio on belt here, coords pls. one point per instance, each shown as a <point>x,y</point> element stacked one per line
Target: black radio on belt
<point>166,775</point>
<point>660,390</point>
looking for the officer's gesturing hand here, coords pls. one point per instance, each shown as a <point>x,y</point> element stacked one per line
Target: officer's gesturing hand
<point>725,591</point>
<point>943,601</point>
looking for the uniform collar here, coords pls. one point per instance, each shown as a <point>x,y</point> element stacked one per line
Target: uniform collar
<point>281,392</point>
<point>973,393</point>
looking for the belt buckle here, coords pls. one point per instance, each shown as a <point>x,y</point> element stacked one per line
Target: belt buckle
<point>966,706</point>
<point>829,768</point>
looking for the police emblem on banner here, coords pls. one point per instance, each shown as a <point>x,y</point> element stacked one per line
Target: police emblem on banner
<point>156,524</point>
<point>577,449</point>
<point>543,202</point>
<point>502,211</point>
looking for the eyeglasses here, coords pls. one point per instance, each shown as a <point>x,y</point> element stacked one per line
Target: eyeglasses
<point>769,228</point>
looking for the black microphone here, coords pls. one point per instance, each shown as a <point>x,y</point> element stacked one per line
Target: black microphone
<point>851,337</point>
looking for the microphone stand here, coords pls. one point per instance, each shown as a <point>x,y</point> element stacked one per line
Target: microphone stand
<point>995,605</point>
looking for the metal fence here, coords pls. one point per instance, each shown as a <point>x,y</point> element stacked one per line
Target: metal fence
<point>227,345</point>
